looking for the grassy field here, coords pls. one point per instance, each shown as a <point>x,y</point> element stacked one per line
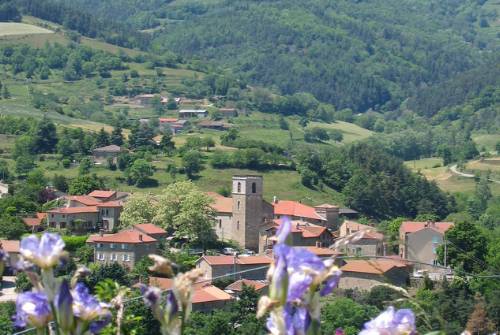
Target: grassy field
<point>14,28</point>
<point>488,141</point>
<point>432,169</point>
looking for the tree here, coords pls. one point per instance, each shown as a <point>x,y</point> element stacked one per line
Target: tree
<point>139,172</point>
<point>139,208</point>
<point>85,165</point>
<point>466,247</point>
<point>7,309</point>
<point>346,314</point>
<point>24,164</point>
<point>84,184</point>
<point>102,138</point>
<point>11,227</point>
<point>167,144</point>
<point>157,105</point>
<point>316,134</point>
<point>208,142</point>
<point>283,123</point>
<point>479,323</point>
<point>116,136</point>
<point>191,162</point>
<point>45,136</point>
<point>60,183</point>
<point>4,170</point>
<point>113,271</point>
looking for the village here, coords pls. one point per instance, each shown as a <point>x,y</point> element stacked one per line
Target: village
<point>250,223</point>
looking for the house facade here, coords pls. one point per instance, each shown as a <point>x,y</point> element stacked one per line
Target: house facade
<point>365,274</point>
<point>215,266</point>
<point>102,154</point>
<point>192,113</point>
<point>4,189</point>
<point>125,247</point>
<point>418,241</point>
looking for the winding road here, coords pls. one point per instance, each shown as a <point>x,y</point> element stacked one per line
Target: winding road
<point>454,170</point>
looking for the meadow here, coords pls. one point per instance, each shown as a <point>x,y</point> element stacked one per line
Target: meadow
<point>15,28</point>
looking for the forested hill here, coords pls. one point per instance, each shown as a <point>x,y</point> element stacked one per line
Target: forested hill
<point>354,54</point>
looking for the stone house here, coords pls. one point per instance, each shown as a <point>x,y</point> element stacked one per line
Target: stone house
<point>365,274</point>
<point>192,113</point>
<point>152,230</point>
<point>418,241</point>
<point>323,215</point>
<point>303,234</point>
<point>79,219</point>
<point>125,247</point>
<point>4,190</point>
<point>11,247</point>
<point>102,154</point>
<point>228,112</point>
<point>215,266</point>
<point>35,224</point>
<point>241,217</point>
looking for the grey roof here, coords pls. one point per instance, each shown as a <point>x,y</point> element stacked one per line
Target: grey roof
<point>193,111</point>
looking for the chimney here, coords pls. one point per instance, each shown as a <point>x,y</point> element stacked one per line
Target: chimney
<point>140,237</point>
<point>331,214</point>
<point>275,199</point>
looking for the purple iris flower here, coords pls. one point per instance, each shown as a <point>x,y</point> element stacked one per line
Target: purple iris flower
<point>4,256</point>
<point>86,307</point>
<point>301,320</point>
<point>150,294</point>
<point>284,230</point>
<point>96,326</point>
<point>172,306</point>
<point>64,306</point>
<point>44,252</point>
<point>32,308</point>
<point>331,283</point>
<point>391,322</point>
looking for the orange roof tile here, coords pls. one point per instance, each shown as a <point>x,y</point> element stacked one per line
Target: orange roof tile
<point>294,208</point>
<point>41,215</point>
<point>168,120</point>
<point>356,226</point>
<point>371,266</point>
<point>32,222</point>
<point>322,252</point>
<point>162,283</point>
<point>230,260</point>
<point>307,229</point>
<point>101,194</point>
<point>110,204</point>
<point>125,236</point>
<point>249,260</point>
<point>74,210</point>
<point>414,226</point>
<point>372,235</point>
<point>219,260</point>
<point>150,228</point>
<point>221,204</point>
<point>10,245</point>
<point>208,294</point>
<point>85,199</point>
<point>238,285</point>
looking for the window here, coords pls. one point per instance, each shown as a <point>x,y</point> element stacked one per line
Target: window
<point>127,258</point>
<point>254,188</point>
<point>239,188</point>
<point>113,257</point>
<point>99,245</point>
<point>112,245</point>
<point>220,223</point>
<point>107,211</point>
<point>124,246</point>
<point>63,216</point>
<point>238,204</point>
<point>101,257</point>
<point>436,239</point>
<point>434,249</point>
<point>237,225</point>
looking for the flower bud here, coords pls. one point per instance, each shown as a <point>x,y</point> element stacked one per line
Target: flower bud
<point>63,304</point>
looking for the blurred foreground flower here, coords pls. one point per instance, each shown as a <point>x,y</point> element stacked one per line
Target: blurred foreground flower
<point>298,278</point>
<point>391,322</point>
<point>174,310</point>
<point>72,309</point>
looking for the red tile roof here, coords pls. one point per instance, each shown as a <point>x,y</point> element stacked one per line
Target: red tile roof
<point>371,266</point>
<point>294,208</point>
<point>372,235</point>
<point>110,204</point>
<point>10,245</point>
<point>219,260</point>
<point>238,285</point>
<point>307,229</point>
<point>168,120</point>
<point>41,215</point>
<point>230,260</point>
<point>101,194</point>
<point>125,236</point>
<point>32,222</point>
<point>414,226</point>
<point>356,226</point>
<point>84,199</point>
<point>74,210</point>
<point>208,294</point>
<point>221,204</point>
<point>323,252</point>
<point>150,228</point>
